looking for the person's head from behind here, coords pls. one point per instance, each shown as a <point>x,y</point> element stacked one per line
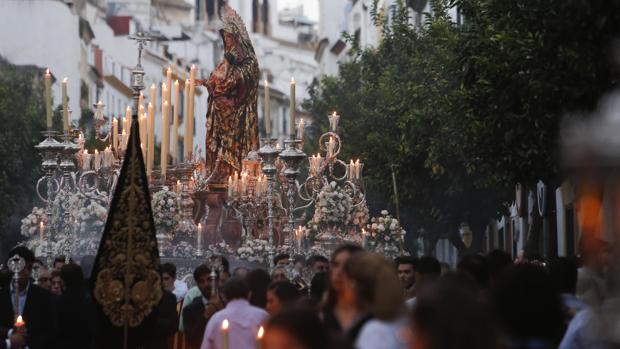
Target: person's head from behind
<point>279,274</point>
<point>318,285</point>
<point>476,267</point>
<point>26,254</point>
<point>428,269</point>
<point>563,273</point>
<point>497,261</point>
<point>433,321</point>
<point>405,266</point>
<point>318,264</point>
<point>371,283</point>
<point>235,289</point>
<point>295,329</point>
<point>240,272</point>
<point>202,277</point>
<point>168,276</point>
<point>527,306</point>
<point>281,259</point>
<point>299,262</point>
<point>258,279</point>
<point>72,276</point>
<point>281,295</point>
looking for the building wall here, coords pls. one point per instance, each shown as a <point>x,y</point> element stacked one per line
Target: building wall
<point>51,40</point>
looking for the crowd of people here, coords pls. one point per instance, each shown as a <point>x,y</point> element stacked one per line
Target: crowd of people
<point>356,299</point>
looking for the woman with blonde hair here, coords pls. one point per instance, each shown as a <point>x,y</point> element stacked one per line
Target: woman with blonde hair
<point>374,285</point>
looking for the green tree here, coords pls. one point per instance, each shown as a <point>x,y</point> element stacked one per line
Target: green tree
<point>466,112</point>
<point>22,116</point>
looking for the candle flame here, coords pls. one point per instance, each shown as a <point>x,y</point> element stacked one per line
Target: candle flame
<point>292,81</point>
<point>334,113</point>
<point>165,102</point>
<point>47,71</point>
<point>128,108</point>
<point>163,85</point>
<point>96,151</point>
<point>364,232</point>
<point>176,82</point>
<point>100,103</point>
<point>225,325</point>
<point>153,86</point>
<point>64,81</point>
<point>41,224</point>
<point>20,322</point>
<point>261,333</point>
<point>85,151</point>
<point>199,226</point>
<point>150,105</point>
<point>169,70</point>
<point>266,83</point>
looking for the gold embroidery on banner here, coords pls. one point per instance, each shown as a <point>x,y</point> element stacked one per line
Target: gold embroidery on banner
<point>128,285</point>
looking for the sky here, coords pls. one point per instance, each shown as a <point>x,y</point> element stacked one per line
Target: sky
<point>311,7</point>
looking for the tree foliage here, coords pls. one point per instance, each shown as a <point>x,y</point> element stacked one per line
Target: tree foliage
<point>464,112</point>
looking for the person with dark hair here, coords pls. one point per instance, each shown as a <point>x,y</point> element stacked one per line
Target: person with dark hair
<point>497,261</point>
<point>476,267</point>
<point>240,272</point>
<point>339,309</point>
<point>60,261</point>
<point>584,328</point>
<point>528,308</point>
<point>258,279</point>
<point>281,259</point>
<point>243,318</point>
<point>279,273</point>
<point>197,314</point>
<point>433,321</point>
<point>72,307</point>
<point>56,284</point>
<point>318,285</point>
<point>295,328</point>
<point>170,282</point>
<point>427,270</point>
<point>281,295</point>
<point>318,264</point>
<point>405,266</point>
<point>33,303</point>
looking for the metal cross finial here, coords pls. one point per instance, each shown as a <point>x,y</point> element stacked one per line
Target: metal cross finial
<point>141,38</point>
<point>16,265</point>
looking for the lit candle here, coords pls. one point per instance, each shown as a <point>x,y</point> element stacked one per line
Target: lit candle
<point>124,140</point>
<point>86,161</point>
<point>127,120</point>
<point>143,129</point>
<point>259,338</point>
<point>291,129</point>
<point>351,170</point>
<point>190,115</point>
<point>115,133</point>
<point>19,322</point>
<point>165,137</point>
<point>107,157</point>
<point>298,234</point>
<point>358,167</point>
<point>364,238</point>
<point>330,147</point>
<point>141,99</point>
<point>333,122</point>
<point>300,130</point>
<point>267,111</point>
<point>166,95</point>
<point>97,161</point>
<point>175,118</point>
<point>41,229</point>
<point>65,106</point>
<point>150,143</point>
<point>186,146</point>
<point>178,186</point>
<point>225,342</point>
<point>48,98</point>
<point>153,95</point>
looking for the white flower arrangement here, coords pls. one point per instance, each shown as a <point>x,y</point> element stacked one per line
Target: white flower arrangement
<point>385,235</point>
<point>166,210</point>
<point>219,249</point>
<point>255,251</point>
<point>31,224</point>
<point>333,206</point>
<point>359,214</point>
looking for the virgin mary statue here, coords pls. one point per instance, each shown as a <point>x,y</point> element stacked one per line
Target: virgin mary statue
<point>232,121</point>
